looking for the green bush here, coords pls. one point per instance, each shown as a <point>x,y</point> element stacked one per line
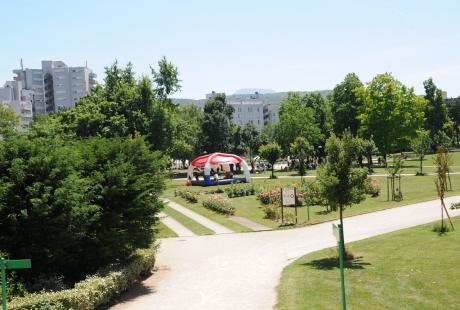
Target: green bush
<point>240,190</point>
<point>371,187</point>
<point>187,195</point>
<point>455,205</point>
<point>219,204</point>
<point>74,206</point>
<point>95,290</point>
<point>312,194</point>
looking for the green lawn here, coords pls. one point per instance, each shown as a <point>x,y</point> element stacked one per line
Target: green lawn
<point>194,226</point>
<point>414,189</point>
<point>409,269</point>
<point>163,231</point>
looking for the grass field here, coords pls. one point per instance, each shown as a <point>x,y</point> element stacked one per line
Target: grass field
<point>409,269</point>
<point>163,231</point>
<point>194,226</point>
<point>414,189</point>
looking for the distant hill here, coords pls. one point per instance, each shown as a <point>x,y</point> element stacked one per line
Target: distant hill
<point>248,91</point>
<point>271,98</point>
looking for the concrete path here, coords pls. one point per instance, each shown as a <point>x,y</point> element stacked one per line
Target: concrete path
<point>217,228</point>
<point>241,271</point>
<point>248,223</point>
<point>175,226</point>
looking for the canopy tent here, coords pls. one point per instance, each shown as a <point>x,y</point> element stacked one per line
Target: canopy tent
<point>214,161</point>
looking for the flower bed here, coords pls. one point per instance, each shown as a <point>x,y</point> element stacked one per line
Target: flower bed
<point>219,204</point>
<point>187,195</point>
<point>240,191</point>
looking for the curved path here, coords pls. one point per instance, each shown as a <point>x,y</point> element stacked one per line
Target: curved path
<point>242,270</point>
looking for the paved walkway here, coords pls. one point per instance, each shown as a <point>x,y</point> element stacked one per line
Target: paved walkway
<point>217,228</point>
<point>248,223</point>
<point>241,270</point>
<point>175,226</point>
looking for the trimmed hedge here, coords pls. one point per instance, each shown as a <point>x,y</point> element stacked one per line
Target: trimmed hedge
<point>96,290</point>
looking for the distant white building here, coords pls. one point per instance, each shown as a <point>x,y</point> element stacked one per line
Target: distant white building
<point>250,109</point>
<point>12,95</point>
<point>52,88</point>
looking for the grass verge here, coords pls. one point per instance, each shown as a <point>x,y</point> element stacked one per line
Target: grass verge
<point>194,226</point>
<point>391,273</point>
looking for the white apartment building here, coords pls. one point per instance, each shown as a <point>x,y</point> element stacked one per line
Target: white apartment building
<point>55,86</point>
<point>12,95</point>
<point>250,109</point>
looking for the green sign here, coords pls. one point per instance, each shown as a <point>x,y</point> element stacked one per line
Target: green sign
<point>11,264</point>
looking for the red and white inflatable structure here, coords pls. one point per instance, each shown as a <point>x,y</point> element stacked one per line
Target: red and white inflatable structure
<point>218,161</point>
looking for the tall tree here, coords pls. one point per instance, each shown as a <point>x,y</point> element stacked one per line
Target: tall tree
<point>346,104</point>
<point>421,145</point>
<point>391,113</point>
<point>166,79</point>
<point>436,112</point>
<point>216,129</point>
<point>251,141</point>
<point>297,119</point>
<point>341,184</point>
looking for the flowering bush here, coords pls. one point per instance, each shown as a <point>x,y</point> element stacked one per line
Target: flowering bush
<point>187,195</point>
<point>372,187</point>
<point>220,204</point>
<point>312,194</point>
<point>272,212</point>
<point>269,197</point>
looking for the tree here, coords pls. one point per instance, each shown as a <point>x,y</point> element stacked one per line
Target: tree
<point>436,112</point>
<point>297,119</point>
<point>271,152</point>
<point>73,206</point>
<point>301,150</point>
<point>216,129</point>
<point>421,145</point>
<point>341,184</point>
<point>9,121</point>
<point>166,79</point>
<point>369,149</point>
<point>391,113</point>
<point>442,162</point>
<point>346,105</point>
<point>251,141</point>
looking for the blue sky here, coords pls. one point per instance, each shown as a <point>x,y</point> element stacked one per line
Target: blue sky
<point>224,46</point>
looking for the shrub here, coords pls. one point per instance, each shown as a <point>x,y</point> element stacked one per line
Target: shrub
<point>455,205</point>
<point>187,195</point>
<point>240,190</point>
<point>96,290</point>
<point>371,187</point>
<point>219,204</point>
<point>74,206</point>
<point>269,197</point>
<point>312,194</point>
<point>272,212</point>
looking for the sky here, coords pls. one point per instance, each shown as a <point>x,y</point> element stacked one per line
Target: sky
<point>228,45</point>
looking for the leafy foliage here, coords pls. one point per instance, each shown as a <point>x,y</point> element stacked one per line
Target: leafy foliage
<point>346,105</point>
<point>421,145</point>
<point>8,120</point>
<point>391,113</point>
<point>270,152</point>
<point>301,149</point>
<point>73,206</point>
<point>216,128</point>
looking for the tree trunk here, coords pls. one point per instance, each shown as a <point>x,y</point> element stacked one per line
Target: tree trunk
<point>421,166</point>
<point>273,169</point>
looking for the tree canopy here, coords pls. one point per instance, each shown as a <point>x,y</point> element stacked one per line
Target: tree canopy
<point>391,113</point>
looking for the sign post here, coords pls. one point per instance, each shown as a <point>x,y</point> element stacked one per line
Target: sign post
<point>288,198</point>
<point>338,234</point>
<point>11,264</point>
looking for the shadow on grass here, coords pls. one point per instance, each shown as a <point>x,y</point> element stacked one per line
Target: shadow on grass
<point>330,263</point>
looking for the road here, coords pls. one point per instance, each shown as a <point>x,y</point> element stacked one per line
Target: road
<point>240,271</point>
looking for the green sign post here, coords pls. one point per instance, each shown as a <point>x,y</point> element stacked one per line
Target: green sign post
<point>11,264</point>
<point>338,234</point>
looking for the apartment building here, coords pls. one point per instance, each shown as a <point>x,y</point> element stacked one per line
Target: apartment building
<point>55,86</point>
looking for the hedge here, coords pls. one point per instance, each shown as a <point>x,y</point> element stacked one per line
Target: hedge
<point>94,291</point>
